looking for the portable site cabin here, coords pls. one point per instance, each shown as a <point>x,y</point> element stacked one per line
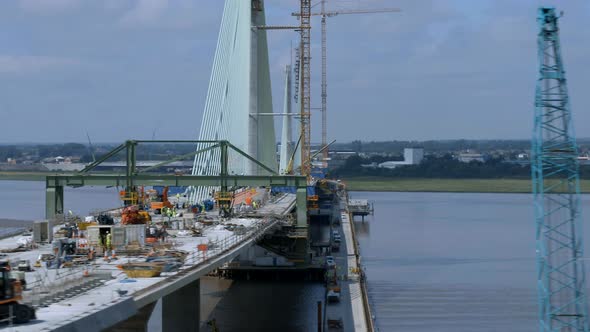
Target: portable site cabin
<point>122,235</point>
<point>96,233</point>
<point>135,234</point>
<point>43,231</point>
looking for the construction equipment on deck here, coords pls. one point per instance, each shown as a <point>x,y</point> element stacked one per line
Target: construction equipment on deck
<point>325,14</point>
<point>224,201</point>
<point>10,295</point>
<point>134,197</point>
<point>161,201</point>
<point>556,189</point>
<point>132,215</point>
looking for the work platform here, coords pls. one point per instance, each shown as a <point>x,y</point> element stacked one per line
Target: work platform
<point>360,207</point>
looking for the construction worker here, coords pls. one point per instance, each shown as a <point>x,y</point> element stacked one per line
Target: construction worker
<point>170,213</point>
<point>109,239</point>
<point>101,242</point>
<point>91,253</point>
<point>163,234</point>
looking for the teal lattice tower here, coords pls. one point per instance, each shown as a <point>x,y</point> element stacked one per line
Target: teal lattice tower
<point>556,189</point>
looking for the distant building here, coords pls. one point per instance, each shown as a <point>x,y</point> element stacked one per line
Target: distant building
<point>469,157</point>
<point>412,156</point>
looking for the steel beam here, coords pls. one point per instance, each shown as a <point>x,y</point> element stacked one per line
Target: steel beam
<point>79,180</point>
<point>54,200</point>
<point>224,166</point>
<point>25,176</point>
<point>179,158</point>
<point>131,165</point>
<point>302,207</point>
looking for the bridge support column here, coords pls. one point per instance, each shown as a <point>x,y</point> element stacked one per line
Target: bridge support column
<point>302,207</point>
<point>137,323</point>
<point>54,201</point>
<point>180,310</point>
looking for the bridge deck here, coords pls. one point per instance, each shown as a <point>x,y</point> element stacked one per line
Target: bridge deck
<point>102,306</point>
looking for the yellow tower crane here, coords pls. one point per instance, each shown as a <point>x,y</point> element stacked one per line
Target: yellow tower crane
<point>325,14</point>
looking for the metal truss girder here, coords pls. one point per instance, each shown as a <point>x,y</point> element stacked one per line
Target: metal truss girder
<point>77,180</point>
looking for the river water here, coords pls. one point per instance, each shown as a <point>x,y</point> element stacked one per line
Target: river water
<point>434,262</point>
<point>451,262</point>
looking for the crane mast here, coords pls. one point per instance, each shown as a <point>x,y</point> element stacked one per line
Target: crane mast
<point>324,109</point>
<point>556,190</point>
<point>324,88</point>
<point>305,90</point>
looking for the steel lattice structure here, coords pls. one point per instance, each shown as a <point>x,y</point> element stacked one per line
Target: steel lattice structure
<point>556,189</point>
<point>305,89</point>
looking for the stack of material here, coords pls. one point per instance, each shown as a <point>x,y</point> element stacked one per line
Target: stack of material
<point>131,215</point>
<point>142,270</point>
<point>132,250</point>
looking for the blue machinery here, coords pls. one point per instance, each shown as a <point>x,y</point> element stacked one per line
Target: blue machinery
<point>556,189</point>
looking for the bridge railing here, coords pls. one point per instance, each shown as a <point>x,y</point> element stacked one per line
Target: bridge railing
<point>214,248</point>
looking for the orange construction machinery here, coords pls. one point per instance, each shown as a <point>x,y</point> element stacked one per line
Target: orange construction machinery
<point>133,215</point>
<point>133,197</point>
<point>158,202</point>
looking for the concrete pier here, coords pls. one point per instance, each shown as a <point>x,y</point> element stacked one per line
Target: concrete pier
<point>180,310</point>
<point>136,323</point>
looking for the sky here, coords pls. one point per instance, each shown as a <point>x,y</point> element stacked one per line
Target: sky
<point>439,69</point>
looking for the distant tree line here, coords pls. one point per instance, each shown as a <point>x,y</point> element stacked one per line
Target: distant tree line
<point>442,146</point>
<point>38,152</point>
<point>441,167</point>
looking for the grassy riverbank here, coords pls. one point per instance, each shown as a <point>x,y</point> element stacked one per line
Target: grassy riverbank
<point>446,185</point>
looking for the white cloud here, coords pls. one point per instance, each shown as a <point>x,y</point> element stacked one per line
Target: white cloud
<point>47,6</point>
<point>145,12</point>
<point>30,64</point>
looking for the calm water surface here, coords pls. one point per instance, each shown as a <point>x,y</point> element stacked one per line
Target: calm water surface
<point>451,262</point>
<point>26,200</point>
